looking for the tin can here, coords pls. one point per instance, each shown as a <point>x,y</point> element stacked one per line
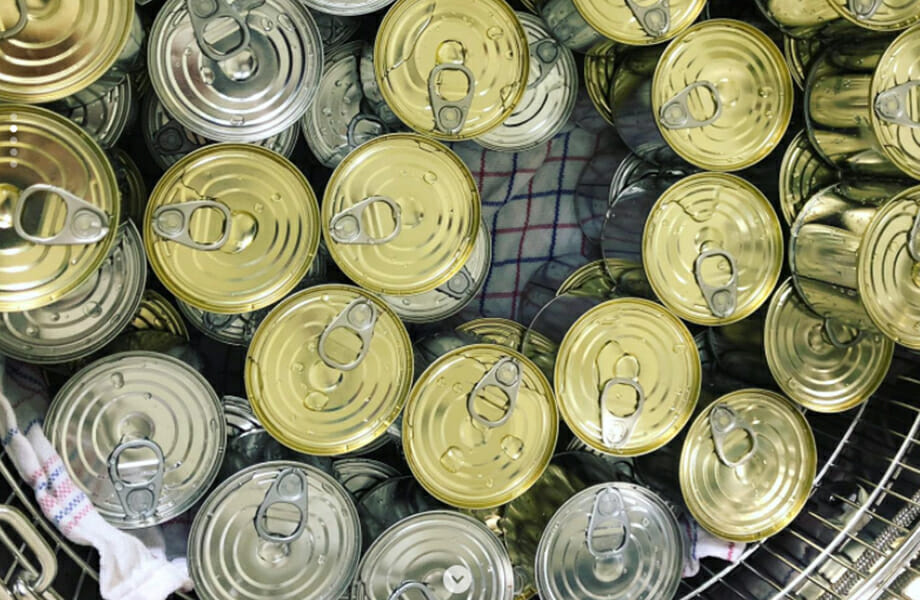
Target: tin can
<point>549,98</point>
<point>824,246</point>
<point>449,298</point>
<point>800,55</point>
<point>53,52</point>
<point>818,363</point>
<point>401,562</point>
<point>141,434</point>
<point>231,228</point>
<point>334,30</point>
<point>167,140</point>
<point>238,329</point>
<point>503,332</point>
<point>87,318</point>
<point>802,173</point>
<point>360,475</point>
<point>391,501</point>
<point>855,107</point>
<point>887,270</point>
<point>156,313</point>
<point>338,120</point>
<point>800,19</point>
<point>329,369</point>
<point>401,215</point>
<point>627,377</point>
<point>256,89</point>
<point>480,426</point>
<point>131,185</point>
<point>594,190</point>
<point>747,465</point>
<point>372,93</point>
<point>453,70</point>
<point>280,526</point>
<point>543,285</point>
<point>738,353</point>
<point>582,24</point>
<point>105,118</point>
<point>599,69</point>
<point>611,541</point>
<point>347,7</point>
<point>805,18</point>
<point>59,204</point>
<point>550,324</point>
<point>712,248</point>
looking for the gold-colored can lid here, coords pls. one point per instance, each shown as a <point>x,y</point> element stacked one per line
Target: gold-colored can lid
<point>600,66</point>
<point>453,69</point>
<point>822,365</point>
<point>480,426</point>
<point>799,52</point>
<point>401,214</point>
<point>54,49</point>
<point>133,188</point>
<point>592,279</point>
<point>712,248</point>
<point>895,117</point>
<point>722,84</point>
<point>156,313</point>
<point>59,207</point>
<point>329,369</point>
<point>802,173</point>
<point>888,269</point>
<point>629,22</point>
<point>747,465</point>
<point>231,228</point>
<point>879,15</point>
<point>503,332</point>
<point>627,377</point>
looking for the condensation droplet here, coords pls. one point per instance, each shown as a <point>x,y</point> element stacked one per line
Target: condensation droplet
<point>495,33</point>
<point>267,24</point>
<point>55,317</point>
<point>315,401</point>
<point>92,309</point>
<point>237,121</point>
<point>207,75</point>
<point>297,367</point>
<point>513,446</point>
<point>430,177</point>
<point>259,207</point>
<point>276,197</point>
<point>118,380</point>
<point>13,139</point>
<point>327,111</point>
<point>452,459</point>
<point>32,331</point>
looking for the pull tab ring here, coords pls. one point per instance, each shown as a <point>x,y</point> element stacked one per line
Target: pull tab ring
<point>506,376</point>
<point>721,299</point>
<point>289,487</point>
<point>450,115</point>
<point>831,334</point>
<point>608,519</point>
<point>913,239</point>
<point>616,430</point>
<point>351,132</point>
<point>891,105</point>
<point>408,586</point>
<point>675,113</point>
<point>459,285</point>
<point>346,227</point>
<point>139,499</point>
<point>202,12</point>
<point>545,54</point>
<point>13,31</point>
<point>84,223</point>
<point>723,420</point>
<point>863,9</point>
<point>654,19</point>
<point>173,221</point>
<point>360,318</point>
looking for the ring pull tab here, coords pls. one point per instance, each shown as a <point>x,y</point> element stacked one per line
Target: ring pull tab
<point>346,228</point>
<point>863,9</point>
<point>830,331</point>
<point>139,499</point>
<point>171,139</point>
<point>721,299</point>
<point>351,132</point>
<point>408,586</point>
<point>202,12</point>
<point>84,223</point>
<point>913,239</point>
<point>654,19</point>
<point>506,376</point>
<point>173,222</point>
<point>360,318</point>
<point>544,54</point>
<point>722,421</point>
<point>675,113</point>
<point>290,487</point>
<point>459,285</point>
<point>891,105</point>
<point>616,430</point>
<point>608,527</point>
<point>450,115</point>
<point>23,9</point>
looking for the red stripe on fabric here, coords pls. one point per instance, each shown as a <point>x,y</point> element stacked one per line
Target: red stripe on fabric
<point>78,516</point>
<point>731,551</point>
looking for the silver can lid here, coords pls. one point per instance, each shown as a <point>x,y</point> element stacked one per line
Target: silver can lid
<point>168,140</point>
<point>611,541</point>
<point>338,120</point>
<point>437,554</point>
<point>334,29</point>
<point>548,101</point>
<point>348,7</point>
<point>449,298</point>
<point>360,475</point>
<point>279,529</point>
<point>89,317</point>
<point>372,92</point>
<point>239,72</point>
<point>141,434</point>
<point>105,118</point>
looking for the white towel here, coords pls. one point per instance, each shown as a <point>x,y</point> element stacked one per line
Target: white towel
<point>702,544</point>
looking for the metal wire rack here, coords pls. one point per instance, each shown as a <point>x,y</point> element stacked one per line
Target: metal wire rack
<point>857,538</point>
